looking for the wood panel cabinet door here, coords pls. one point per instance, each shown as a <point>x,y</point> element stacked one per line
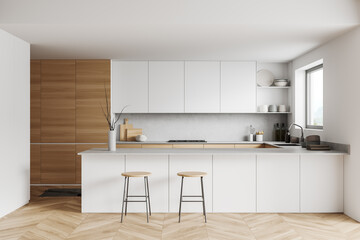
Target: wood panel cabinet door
<point>57,163</point>
<point>238,87</point>
<point>35,163</point>
<point>321,183</point>
<point>35,85</point>
<point>158,181</point>
<point>92,77</point>
<point>192,186</point>
<point>202,87</point>
<point>166,86</point>
<point>278,183</point>
<point>58,101</point>
<point>81,148</point>
<point>130,86</point>
<point>234,183</point>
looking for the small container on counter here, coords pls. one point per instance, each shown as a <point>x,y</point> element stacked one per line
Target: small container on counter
<point>251,133</point>
<point>260,136</point>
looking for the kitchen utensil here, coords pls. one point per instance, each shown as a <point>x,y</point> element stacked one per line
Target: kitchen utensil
<point>259,137</point>
<point>264,78</point>
<point>313,138</point>
<point>282,108</point>
<point>272,108</point>
<point>280,84</point>
<point>318,147</point>
<point>123,128</point>
<point>131,133</point>
<point>263,108</point>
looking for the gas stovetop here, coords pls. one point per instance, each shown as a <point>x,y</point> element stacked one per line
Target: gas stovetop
<point>186,141</point>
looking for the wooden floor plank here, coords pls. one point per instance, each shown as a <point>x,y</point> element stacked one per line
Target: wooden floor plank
<point>61,218</point>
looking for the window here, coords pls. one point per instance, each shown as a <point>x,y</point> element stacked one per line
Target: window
<point>314,97</point>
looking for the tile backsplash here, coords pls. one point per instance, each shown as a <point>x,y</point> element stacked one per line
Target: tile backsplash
<point>210,127</point>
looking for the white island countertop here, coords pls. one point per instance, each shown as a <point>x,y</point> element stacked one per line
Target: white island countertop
<point>201,151</point>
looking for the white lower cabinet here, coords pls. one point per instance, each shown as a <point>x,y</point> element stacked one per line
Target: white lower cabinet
<point>321,183</point>
<point>158,182</point>
<point>278,183</point>
<point>234,184</point>
<point>101,184</point>
<point>180,163</point>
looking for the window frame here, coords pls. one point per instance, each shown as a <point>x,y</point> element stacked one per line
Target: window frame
<point>307,72</point>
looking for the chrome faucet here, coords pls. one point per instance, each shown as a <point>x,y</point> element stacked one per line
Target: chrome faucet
<point>287,139</point>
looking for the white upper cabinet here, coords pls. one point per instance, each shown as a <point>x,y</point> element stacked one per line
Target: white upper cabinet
<point>238,87</point>
<point>202,87</point>
<point>166,86</point>
<point>129,80</point>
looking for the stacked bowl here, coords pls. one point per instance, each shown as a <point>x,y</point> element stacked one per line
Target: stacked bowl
<point>281,82</point>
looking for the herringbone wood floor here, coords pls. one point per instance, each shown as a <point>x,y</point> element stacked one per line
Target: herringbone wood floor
<point>60,218</point>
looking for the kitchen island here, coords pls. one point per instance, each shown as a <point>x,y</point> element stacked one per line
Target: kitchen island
<point>286,179</point>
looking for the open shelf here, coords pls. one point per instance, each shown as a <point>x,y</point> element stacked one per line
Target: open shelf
<point>273,112</point>
<point>275,87</point>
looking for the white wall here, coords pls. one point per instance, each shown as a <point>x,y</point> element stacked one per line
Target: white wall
<point>341,59</point>
<point>14,123</point>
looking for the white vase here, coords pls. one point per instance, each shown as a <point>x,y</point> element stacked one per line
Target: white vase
<point>112,140</point>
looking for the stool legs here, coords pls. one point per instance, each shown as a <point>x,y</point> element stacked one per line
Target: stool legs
<point>126,198</point>
<point>203,197</point>
<point>148,194</point>
<point>127,195</point>
<point>124,195</point>
<point>146,200</point>
<point>181,191</point>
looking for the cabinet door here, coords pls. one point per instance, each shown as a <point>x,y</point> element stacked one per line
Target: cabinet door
<point>234,183</point>
<point>321,183</point>
<point>81,148</point>
<point>34,163</point>
<point>35,83</point>
<point>192,186</point>
<point>102,184</point>
<point>158,181</point>
<point>238,87</point>
<point>278,183</point>
<point>166,87</point>
<point>57,163</point>
<point>58,101</point>
<point>202,87</point>
<point>92,77</point>
<point>130,86</point>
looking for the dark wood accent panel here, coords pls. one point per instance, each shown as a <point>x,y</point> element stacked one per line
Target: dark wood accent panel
<point>57,163</point>
<point>91,78</point>
<point>35,85</point>
<point>35,163</point>
<point>81,148</point>
<point>58,101</point>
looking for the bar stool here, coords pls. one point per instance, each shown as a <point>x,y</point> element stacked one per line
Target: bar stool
<point>192,174</point>
<point>126,195</point>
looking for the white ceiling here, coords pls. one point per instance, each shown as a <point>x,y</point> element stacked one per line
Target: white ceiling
<point>264,30</point>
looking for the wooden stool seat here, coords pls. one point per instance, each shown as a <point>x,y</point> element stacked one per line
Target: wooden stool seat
<point>192,174</point>
<point>136,174</point>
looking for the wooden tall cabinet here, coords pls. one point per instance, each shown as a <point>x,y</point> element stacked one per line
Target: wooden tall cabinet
<point>92,78</point>
<point>35,85</point>
<point>66,116</point>
<point>58,101</point>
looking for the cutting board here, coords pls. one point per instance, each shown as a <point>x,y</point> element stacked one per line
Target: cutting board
<point>131,133</point>
<point>123,128</point>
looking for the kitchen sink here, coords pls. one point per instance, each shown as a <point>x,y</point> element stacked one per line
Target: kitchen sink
<point>287,144</point>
